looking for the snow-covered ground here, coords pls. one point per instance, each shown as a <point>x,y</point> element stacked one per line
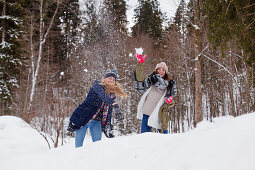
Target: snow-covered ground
<point>225,144</point>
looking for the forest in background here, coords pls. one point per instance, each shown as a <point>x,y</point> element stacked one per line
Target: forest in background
<point>51,52</point>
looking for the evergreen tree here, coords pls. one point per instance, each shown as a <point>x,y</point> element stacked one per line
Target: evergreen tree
<point>11,54</point>
<point>91,27</point>
<point>232,20</point>
<point>149,19</point>
<point>64,34</point>
<point>180,20</point>
<point>180,14</point>
<point>118,10</point>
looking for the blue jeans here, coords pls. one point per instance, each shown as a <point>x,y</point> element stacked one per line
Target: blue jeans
<point>95,128</point>
<point>145,127</point>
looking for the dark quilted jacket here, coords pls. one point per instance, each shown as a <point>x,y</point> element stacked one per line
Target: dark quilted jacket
<point>85,111</point>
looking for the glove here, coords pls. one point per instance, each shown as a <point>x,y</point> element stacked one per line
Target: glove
<point>117,111</point>
<point>140,58</point>
<point>154,79</point>
<point>108,132</point>
<point>112,95</point>
<point>72,127</point>
<point>169,100</point>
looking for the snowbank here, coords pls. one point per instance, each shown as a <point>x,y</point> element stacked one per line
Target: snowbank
<point>227,143</point>
<point>18,138</point>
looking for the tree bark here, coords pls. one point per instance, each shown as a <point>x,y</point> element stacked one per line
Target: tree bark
<point>198,80</point>
<point>3,21</point>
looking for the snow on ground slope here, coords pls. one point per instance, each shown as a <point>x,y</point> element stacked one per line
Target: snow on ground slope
<point>225,144</point>
<point>17,137</point>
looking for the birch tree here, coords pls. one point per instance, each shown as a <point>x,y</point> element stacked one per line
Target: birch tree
<point>36,55</point>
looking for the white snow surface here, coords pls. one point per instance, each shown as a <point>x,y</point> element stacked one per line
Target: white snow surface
<point>227,143</point>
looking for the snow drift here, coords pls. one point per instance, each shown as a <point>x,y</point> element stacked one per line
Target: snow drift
<point>227,143</point>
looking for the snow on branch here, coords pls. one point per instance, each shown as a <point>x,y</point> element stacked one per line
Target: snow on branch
<point>223,68</point>
<point>7,17</point>
<point>5,44</point>
<point>201,53</point>
<point>196,27</point>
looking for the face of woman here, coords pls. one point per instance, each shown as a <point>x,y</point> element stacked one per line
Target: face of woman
<point>161,71</point>
<point>110,80</point>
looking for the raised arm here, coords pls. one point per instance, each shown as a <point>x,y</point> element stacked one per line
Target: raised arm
<point>139,67</point>
<point>99,90</point>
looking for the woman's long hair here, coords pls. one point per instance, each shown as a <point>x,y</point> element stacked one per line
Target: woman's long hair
<point>116,88</point>
<point>167,77</point>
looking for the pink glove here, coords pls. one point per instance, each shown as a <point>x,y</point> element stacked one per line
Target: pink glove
<point>169,99</point>
<point>140,58</point>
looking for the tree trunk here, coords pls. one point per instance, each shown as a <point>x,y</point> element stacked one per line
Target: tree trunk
<point>199,114</point>
<point>3,21</point>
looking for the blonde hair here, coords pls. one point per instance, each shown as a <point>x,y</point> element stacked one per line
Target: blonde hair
<point>116,88</point>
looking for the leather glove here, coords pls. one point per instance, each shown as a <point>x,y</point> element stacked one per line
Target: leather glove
<point>108,131</point>
<point>154,79</point>
<point>72,127</point>
<point>117,111</point>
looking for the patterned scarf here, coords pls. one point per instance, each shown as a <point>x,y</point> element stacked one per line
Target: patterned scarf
<point>105,113</point>
<point>98,111</point>
<point>162,83</point>
<point>104,108</point>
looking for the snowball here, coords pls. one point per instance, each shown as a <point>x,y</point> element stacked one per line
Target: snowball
<point>139,50</point>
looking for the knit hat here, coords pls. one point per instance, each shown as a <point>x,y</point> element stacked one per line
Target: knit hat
<point>163,65</point>
<point>111,73</point>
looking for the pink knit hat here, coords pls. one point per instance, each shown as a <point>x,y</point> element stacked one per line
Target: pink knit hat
<point>163,65</point>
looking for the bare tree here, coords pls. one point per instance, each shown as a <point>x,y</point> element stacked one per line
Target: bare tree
<point>43,34</point>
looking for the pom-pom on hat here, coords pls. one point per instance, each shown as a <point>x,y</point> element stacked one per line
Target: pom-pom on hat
<point>111,73</point>
<point>163,65</point>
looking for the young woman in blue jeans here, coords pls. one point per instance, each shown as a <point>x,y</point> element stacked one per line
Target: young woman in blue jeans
<point>157,90</point>
<point>95,112</point>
